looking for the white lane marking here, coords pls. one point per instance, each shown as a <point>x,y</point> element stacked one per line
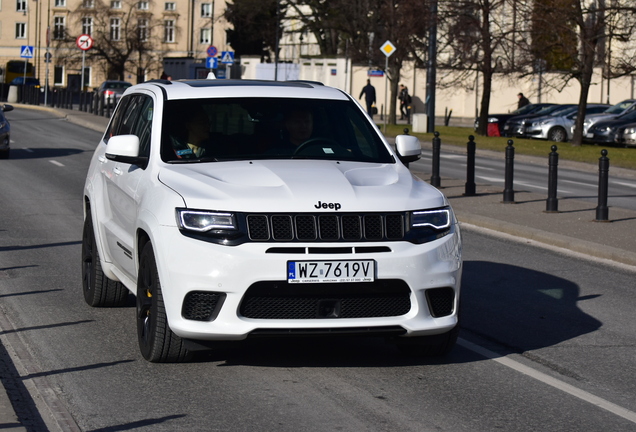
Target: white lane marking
<point>447,156</point>
<point>54,162</point>
<point>553,382</point>
<point>579,183</point>
<point>632,185</point>
<point>485,168</point>
<point>492,179</point>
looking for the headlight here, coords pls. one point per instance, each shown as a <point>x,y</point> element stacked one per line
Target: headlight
<point>436,219</point>
<point>630,130</point>
<point>204,221</point>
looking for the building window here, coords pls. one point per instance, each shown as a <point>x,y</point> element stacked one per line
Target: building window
<point>58,75</point>
<point>87,26</point>
<point>115,4</point>
<point>142,28</point>
<point>205,36</point>
<point>21,6</point>
<point>170,6</point>
<point>168,34</point>
<point>20,30</point>
<point>60,3</point>
<point>142,5</point>
<point>206,10</point>
<point>88,4</point>
<point>115,29</point>
<point>59,27</point>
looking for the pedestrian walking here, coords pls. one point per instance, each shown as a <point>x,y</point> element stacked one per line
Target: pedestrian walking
<point>523,101</point>
<point>369,96</point>
<point>405,102</point>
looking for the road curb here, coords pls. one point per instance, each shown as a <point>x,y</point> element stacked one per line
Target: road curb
<point>552,239</point>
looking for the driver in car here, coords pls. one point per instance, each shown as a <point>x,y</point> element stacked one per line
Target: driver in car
<point>299,125</point>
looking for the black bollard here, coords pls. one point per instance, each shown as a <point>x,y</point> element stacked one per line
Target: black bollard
<point>470,189</point>
<point>602,211</point>
<point>552,203</point>
<point>437,143</point>
<point>509,193</point>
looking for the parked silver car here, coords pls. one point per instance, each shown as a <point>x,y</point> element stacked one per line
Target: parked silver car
<point>612,112</point>
<point>558,126</point>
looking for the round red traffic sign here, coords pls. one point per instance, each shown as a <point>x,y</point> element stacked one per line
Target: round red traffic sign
<point>84,42</point>
<point>212,51</point>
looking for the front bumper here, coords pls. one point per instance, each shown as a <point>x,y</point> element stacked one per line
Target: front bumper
<point>188,265</point>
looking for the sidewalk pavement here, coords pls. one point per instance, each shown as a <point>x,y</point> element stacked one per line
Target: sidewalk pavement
<point>572,228</point>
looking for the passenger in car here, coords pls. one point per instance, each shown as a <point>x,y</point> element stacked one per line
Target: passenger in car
<point>299,125</point>
<point>191,134</point>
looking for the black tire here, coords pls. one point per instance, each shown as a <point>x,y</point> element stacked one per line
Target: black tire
<point>157,343</point>
<point>99,291</point>
<point>557,134</point>
<point>429,346</point>
<point>4,154</point>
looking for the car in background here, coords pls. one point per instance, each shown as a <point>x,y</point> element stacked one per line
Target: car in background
<point>501,119</point>
<point>612,112</point>
<point>558,126</point>
<point>515,127</point>
<point>5,132</point>
<point>111,91</point>
<point>626,135</point>
<point>605,132</point>
<point>32,82</point>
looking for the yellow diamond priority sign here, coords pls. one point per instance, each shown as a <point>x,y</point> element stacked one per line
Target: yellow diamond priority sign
<point>388,48</point>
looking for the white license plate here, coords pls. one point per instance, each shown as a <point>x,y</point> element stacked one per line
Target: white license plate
<point>589,135</point>
<point>330,271</point>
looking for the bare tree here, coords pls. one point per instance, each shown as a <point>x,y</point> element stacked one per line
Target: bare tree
<point>597,25</point>
<point>125,40</point>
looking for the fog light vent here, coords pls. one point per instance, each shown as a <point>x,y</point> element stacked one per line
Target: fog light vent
<point>440,301</point>
<point>201,305</point>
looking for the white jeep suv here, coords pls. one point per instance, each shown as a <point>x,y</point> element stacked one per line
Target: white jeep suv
<point>235,209</point>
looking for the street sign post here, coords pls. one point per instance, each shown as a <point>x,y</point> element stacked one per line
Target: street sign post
<point>387,48</point>
<point>26,51</point>
<point>212,63</point>
<point>227,57</point>
<point>212,51</point>
<point>83,42</point>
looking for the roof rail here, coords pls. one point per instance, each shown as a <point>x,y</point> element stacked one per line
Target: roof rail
<point>307,82</point>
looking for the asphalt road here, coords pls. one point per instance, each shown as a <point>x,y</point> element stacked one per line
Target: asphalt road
<point>548,339</point>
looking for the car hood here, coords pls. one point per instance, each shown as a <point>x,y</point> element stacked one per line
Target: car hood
<point>600,117</point>
<point>299,186</point>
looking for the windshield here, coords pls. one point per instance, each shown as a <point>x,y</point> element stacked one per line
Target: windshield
<point>620,107</point>
<point>221,129</point>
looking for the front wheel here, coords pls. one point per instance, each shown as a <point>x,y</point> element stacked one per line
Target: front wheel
<point>157,343</point>
<point>557,134</point>
<point>99,291</point>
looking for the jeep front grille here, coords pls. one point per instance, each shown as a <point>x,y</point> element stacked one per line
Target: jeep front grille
<point>326,227</point>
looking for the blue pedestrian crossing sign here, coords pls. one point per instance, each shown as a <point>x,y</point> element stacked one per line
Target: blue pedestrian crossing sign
<point>227,57</point>
<point>212,63</point>
<point>26,51</point>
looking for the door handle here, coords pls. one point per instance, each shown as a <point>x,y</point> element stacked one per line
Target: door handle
<point>117,171</point>
<point>102,159</point>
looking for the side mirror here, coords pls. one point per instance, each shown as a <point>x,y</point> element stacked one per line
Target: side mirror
<point>125,149</point>
<point>7,107</point>
<point>408,148</point>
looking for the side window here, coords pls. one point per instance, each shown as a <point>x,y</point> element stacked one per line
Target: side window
<point>130,115</point>
<point>143,127</point>
<point>113,129</point>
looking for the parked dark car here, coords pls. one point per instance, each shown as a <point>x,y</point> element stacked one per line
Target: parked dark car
<point>501,119</point>
<point>626,135</point>
<point>605,132</point>
<point>611,113</point>
<point>112,91</point>
<point>5,132</point>
<point>29,81</point>
<point>515,126</point>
